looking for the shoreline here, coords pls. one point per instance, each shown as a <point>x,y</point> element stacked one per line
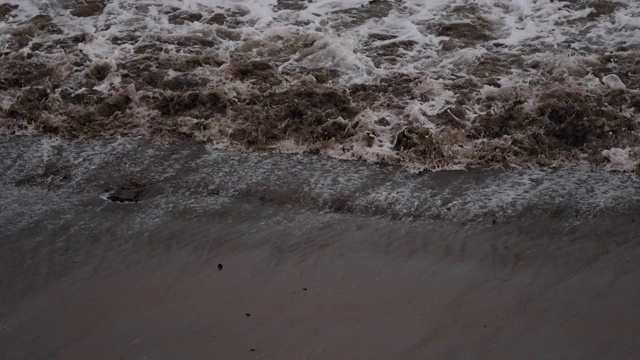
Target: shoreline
<point>528,264</point>
<point>158,171</point>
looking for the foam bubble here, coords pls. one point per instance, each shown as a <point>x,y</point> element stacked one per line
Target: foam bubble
<point>488,82</point>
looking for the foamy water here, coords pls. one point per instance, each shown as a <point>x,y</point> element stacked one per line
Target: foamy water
<point>440,84</point>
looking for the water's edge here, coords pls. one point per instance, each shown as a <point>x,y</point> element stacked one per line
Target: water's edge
<point>112,248</point>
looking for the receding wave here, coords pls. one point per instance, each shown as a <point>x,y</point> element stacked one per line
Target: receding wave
<point>444,84</point>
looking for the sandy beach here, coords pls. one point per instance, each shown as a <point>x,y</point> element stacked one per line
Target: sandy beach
<point>319,179</point>
<point>129,250</point>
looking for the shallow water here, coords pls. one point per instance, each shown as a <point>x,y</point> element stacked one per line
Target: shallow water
<point>443,84</point>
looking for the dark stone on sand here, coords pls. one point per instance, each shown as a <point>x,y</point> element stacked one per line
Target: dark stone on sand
<point>305,289</point>
<point>125,196</point>
<point>90,9</point>
<point>247,314</point>
<point>220,267</point>
<point>129,192</point>
<point>252,350</point>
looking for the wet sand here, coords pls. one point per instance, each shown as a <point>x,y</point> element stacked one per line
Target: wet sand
<point>303,274</point>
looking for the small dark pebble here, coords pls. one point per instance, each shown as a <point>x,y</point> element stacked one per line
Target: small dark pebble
<point>220,267</point>
<point>253,350</point>
<point>247,314</point>
<point>122,199</point>
<point>494,221</point>
<point>485,326</point>
<point>506,248</point>
<point>305,289</point>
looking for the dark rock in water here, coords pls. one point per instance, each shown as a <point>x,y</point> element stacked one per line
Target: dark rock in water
<point>29,104</point>
<point>382,122</point>
<point>22,40</point>
<point>128,192</point>
<point>466,31</point>
<point>180,17</point>
<point>192,41</point>
<point>449,45</point>
<point>5,10</point>
<point>35,46</point>
<point>84,97</point>
<point>37,24</point>
<point>126,196</point>
<point>182,82</point>
<point>296,5</point>
<point>247,69</point>
<point>228,34</point>
<point>117,103</point>
<point>100,71</point>
<point>92,8</point>
<point>217,19</point>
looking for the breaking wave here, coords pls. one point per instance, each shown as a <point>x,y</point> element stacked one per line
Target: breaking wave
<point>441,84</point>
